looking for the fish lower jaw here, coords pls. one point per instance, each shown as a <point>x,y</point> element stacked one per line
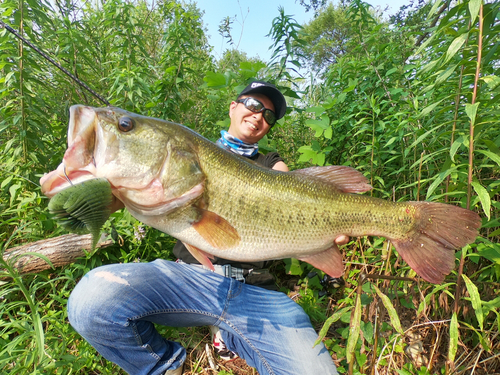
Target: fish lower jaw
<point>56,181</point>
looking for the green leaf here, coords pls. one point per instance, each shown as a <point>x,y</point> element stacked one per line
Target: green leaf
<point>455,46</point>
<point>6,181</point>
<point>393,315</point>
<point>490,252</point>
<point>316,110</point>
<point>491,155</point>
<point>308,154</point>
<point>484,198</point>
<point>445,75</point>
<point>354,330</point>
<point>293,267</point>
<point>319,125</point>
<point>328,133</point>
<point>471,110</point>
<point>332,319</point>
<point>215,79</point>
<point>474,6</point>
<point>453,345</point>
<point>390,71</point>
<point>434,8</point>
<point>492,81</point>
<point>455,146</point>
<point>475,300</point>
<point>439,179</point>
<point>428,109</point>
<point>13,192</point>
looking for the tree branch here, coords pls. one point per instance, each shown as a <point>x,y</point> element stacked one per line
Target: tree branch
<point>60,251</point>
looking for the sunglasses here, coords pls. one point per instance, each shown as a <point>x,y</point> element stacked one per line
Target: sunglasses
<point>256,107</point>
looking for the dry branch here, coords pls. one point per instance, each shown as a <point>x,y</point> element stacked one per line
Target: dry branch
<point>60,251</point>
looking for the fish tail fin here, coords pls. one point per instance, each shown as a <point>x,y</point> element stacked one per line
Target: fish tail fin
<point>429,248</point>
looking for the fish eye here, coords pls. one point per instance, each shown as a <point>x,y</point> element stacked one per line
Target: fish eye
<point>125,124</point>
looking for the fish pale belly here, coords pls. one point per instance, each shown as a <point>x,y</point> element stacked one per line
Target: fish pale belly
<point>256,244</point>
<point>298,229</point>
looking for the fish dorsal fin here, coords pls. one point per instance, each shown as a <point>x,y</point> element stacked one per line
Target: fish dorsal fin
<point>328,261</point>
<point>201,256</point>
<point>216,230</point>
<point>345,179</point>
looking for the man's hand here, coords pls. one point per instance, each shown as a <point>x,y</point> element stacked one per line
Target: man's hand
<point>342,240</point>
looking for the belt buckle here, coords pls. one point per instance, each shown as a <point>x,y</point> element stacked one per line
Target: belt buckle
<point>227,269</point>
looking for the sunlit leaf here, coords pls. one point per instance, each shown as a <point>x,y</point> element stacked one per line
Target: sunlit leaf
<point>492,81</point>
<point>474,6</point>
<point>475,300</point>
<point>484,197</point>
<point>457,43</point>
<point>471,110</point>
<point>438,180</point>
<point>491,155</point>
<point>354,329</point>
<point>454,147</point>
<point>215,79</point>
<point>318,110</point>
<point>453,345</point>
<point>428,109</point>
<point>434,8</point>
<point>393,314</point>
<point>332,319</point>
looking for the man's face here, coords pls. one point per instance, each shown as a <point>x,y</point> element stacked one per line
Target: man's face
<point>246,125</point>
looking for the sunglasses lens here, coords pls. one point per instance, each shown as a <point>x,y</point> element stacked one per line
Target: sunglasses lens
<point>269,117</point>
<point>254,105</point>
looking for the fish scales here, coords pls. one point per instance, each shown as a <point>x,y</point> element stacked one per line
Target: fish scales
<point>289,211</point>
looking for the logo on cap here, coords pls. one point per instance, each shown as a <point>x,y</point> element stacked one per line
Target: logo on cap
<point>257,84</point>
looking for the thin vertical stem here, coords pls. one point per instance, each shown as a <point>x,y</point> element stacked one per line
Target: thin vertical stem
<point>373,151</point>
<point>455,117</point>
<point>474,96</point>
<point>24,127</point>
<point>471,151</point>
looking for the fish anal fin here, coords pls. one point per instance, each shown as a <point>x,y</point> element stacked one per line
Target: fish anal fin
<point>201,256</point>
<point>345,179</point>
<point>328,261</point>
<point>216,230</point>
<point>441,228</point>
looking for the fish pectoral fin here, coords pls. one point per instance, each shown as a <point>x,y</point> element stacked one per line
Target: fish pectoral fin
<point>201,256</point>
<point>216,230</point>
<point>345,179</point>
<point>328,261</point>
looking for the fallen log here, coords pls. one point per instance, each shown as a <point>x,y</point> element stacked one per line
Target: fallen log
<point>60,251</point>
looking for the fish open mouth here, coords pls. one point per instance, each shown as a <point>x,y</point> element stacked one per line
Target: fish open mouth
<point>78,164</point>
<point>58,180</point>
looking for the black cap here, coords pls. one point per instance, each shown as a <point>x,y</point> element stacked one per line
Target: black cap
<point>269,90</point>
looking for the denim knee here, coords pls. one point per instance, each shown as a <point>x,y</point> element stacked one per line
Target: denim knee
<point>90,305</point>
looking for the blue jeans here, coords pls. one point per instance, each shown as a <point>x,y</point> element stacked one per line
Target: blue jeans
<point>114,307</point>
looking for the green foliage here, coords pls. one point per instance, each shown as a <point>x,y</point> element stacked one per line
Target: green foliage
<point>421,121</point>
<point>326,37</point>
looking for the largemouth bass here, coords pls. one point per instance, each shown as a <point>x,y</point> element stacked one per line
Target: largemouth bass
<point>220,204</point>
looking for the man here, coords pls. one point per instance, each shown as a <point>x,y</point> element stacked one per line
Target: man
<point>115,307</point>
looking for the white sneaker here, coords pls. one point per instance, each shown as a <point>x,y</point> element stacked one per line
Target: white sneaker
<point>220,347</point>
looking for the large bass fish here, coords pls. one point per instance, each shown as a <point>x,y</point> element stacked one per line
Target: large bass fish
<point>220,204</point>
